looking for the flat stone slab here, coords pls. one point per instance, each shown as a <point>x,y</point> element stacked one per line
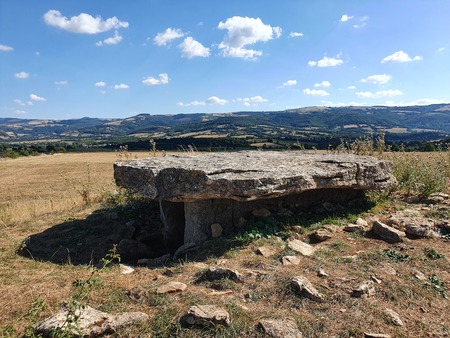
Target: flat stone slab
<point>249,175</point>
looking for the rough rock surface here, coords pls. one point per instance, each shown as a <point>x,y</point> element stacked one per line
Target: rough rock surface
<point>92,323</point>
<point>216,272</point>
<point>303,287</point>
<point>280,328</point>
<point>171,287</point>
<point>301,247</point>
<point>206,315</point>
<point>198,190</point>
<point>388,233</point>
<point>248,175</point>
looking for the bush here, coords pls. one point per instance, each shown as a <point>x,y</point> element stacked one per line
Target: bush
<point>421,177</point>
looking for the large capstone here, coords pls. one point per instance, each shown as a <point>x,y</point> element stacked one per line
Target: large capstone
<point>197,190</point>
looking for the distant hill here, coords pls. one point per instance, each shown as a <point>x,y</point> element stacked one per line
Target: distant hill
<point>411,122</point>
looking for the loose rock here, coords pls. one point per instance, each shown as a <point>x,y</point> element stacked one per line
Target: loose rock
<point>376,335</point>
<point>204,315</point>
<point>290,260</point>
<point>263,212</point>
<point>171,287</point>
<point>300,247</point>
<point>216,272</point>
<point>125,269</point>
<point>353,228</point>
<point>394,317</point>
<point>91,322</point>
<point>389,234</point>
<point>280,328</point>
<point>321,235</point>
<point>364,290</point>
<point>265,251</point>
<point>303,287</point>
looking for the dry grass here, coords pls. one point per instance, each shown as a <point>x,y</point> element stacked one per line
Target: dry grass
<point>32,289</point>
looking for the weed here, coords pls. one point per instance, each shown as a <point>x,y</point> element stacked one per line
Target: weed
<point>395,255</point>
<point>438,286</point>
<point>259,229</point>
<point>433,254</point>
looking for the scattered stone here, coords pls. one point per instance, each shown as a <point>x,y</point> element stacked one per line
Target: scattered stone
<point>364,290</point>
<point>138,294</point>
<point>388,269</point>
<point>280,328</point>
<point>290,260</point>
<point>296,228</point>
<point>143,261</point>
<point>216,230</point>
<point>362,222</point>
<point>375,279</point>
<point>420,228</point>
<point>376,335</point>
<point>322,273</point>
<point>394,317</point>
<point>125,269</point>
<point>303,287</point>
<point>204,315</point>
<point>158,262</point>
<point>91,322</point>
<point>220,293</point>
<point>321,235</point>
<point>263,212</point>
<point>265,251</point>
<point>216,273</point>
<point>185,248</point>
<point>168,273</point>
<point>171,287</point>
<point>300,247</point>
<point>353,228</point>
<point>419,275</point>
<point>200,266</point>
<point>389,234</point>
<point>436,198</point>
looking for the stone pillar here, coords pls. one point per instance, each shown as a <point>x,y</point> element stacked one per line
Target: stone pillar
<point>172,217</point>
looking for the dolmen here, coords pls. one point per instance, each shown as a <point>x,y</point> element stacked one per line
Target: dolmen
<point>202,195</point>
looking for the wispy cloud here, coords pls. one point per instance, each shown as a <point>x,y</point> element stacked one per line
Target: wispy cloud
<point>35,97</point>
<point>295,35</point>
<point>326,62</point>
<point>323,84</point>
<point>378,79</point>
<point>4,48</point>
<point>381,93</point>
<point>248,101</point>
<point>114,40</point>
<point>153,81</point>
<point>121,86</point>
<point>345,18</point>
<point>83,23</point>
<point>290,83</point>
<point>400,56</point>
<point>100,84</point>
<point>315,92</point>
<point>211,101</point>
<point>162,39</point>
<point>22,75</point>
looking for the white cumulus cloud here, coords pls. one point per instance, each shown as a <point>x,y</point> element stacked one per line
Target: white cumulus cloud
<point>100,84</point>
<point>83,23</point>
<point>211,101</point>
<point>22,75</point>
<point>290,83</point>
<point>244,31</point>
<point>400,56</point>
<point>326,62</point>
<point>323,84</point>
<point>382,93</point>
<point>161,39</point>
<point>315,92</point>
<point>5,48</point>
<point>345,18</point>
<point>121,86</point>
<point>114,40</point>
<point>295,35</point>
<point>35,97</point>
<point>378,79</point>
<point>153,81</point>
<point>191,48</point>
<point>254,99</point>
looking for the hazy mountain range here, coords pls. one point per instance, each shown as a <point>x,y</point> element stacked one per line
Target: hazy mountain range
<point>413,122</point>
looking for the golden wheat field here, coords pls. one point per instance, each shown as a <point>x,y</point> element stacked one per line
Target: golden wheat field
<point>42,196</point>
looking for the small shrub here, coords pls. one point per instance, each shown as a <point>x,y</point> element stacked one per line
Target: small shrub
<point>438,286</point>
<point>433,254</point>
<point>396,256</point>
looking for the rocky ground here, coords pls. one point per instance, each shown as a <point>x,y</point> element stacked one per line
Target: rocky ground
<point>380,272</point>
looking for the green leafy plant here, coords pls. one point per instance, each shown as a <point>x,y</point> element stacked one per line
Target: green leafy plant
<point>396,256</point>
<point>439,286</point>
<point>433,254</point>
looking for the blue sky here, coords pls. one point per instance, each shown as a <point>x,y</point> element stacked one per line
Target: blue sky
<point>64,59</point>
